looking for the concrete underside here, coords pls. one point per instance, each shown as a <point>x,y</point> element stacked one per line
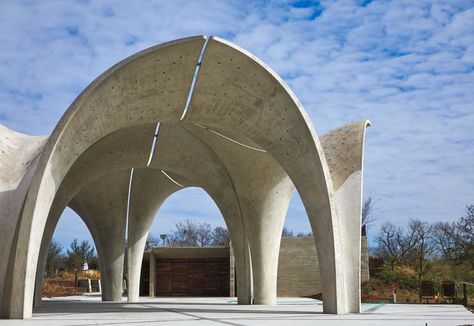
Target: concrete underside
<point>225,311</point>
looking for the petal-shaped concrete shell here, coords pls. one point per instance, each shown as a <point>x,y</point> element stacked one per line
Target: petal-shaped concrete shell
<point>228,124</point>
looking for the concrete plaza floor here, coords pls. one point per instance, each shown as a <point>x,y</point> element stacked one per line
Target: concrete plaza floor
<point>89,310</point>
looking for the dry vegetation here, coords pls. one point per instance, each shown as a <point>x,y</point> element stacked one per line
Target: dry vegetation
<point>63,284</point>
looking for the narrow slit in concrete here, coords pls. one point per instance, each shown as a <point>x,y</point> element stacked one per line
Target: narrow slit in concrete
<point>232,140</point>
<point>129,197</point>
<point>193,83</point>
<point>155,138</point>
<point>172,180</point>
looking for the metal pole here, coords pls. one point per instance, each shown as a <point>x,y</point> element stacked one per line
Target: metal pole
<point>464,290</point>
<point>75,280</point>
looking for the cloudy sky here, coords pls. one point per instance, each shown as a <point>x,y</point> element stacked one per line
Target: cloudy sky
<point>408,66</point>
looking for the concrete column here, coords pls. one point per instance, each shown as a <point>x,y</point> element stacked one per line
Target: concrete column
<point>135,256</point>
<point>43,255</point>
<point>264,191</point>
<point>102,204</point>
<point>232,283</point>
<point>150,187</point>
<point>152,285</point>
<point>343,148</point>
<point>243,271</point>
<point>264,242</point>
<point>112,270</point>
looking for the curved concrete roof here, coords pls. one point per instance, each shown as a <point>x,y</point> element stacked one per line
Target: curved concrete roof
<point>228,124</point>
<point>17,153</point>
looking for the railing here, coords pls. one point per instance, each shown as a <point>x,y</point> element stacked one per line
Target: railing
<point>465,300</point>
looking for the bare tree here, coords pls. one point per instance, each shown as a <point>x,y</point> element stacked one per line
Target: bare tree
<point>287,233</point>
<point>184,234</point>
<point>221,236</point>
<point>394,244</point>
<point>466,234</point>
<point>302,234</point>
<point>367,211</point>
<point>447,238</point>
<point>204,235</point>
<point>423,249</point>
<point>191,234</point>
<point>54,258</point>
<point>152,241</point>
<point>388,244</point>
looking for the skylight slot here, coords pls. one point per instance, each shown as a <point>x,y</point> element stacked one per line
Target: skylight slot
<point>196,73</point>
<point>172,180</point>
<point>155,138</point>
<point>232,140</point>
<point>129,197</point>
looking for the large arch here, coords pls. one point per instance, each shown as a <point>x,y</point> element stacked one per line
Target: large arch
<point>85,189</point>
<point>254,129</point>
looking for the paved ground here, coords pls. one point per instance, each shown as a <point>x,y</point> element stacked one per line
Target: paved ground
<point>224,311</point>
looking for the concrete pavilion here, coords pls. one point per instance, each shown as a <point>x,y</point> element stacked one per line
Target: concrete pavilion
<point>196,112</point>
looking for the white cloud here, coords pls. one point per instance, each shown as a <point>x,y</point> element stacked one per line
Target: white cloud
<point>406,65</point>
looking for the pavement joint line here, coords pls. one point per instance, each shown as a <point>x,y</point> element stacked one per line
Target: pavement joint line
<point>199,317</point>
<point>378,306</point>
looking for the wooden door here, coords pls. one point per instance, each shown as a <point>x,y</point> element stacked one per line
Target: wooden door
<point>197,277</point>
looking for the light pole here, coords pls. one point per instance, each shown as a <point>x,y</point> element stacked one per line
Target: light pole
<point>75,280</point>
<point>163,237</point>
<point>85,267</point>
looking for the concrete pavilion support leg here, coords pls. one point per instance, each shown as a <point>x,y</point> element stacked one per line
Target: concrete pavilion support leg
<point>19,156</point>
<point>150,187</point>
<point>264,191</point>
<point>103,205</point>
<point>344,149</point>
<point>265,214</point>
<point>243,268</point>
<point>152,285</point>
<point>243,265</point>
<point>42,259</point>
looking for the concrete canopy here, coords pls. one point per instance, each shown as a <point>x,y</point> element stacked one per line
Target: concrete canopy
<point>226,123</point>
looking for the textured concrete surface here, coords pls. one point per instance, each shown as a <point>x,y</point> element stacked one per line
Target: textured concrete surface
<point>242,136</point>
<point>344,150</point>
<point>298,267</point>
<point>224,311</point>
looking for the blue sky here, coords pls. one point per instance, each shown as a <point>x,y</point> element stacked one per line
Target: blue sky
<point>408,66</point>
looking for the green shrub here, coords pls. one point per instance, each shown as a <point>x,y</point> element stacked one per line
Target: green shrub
<point>403,277</point>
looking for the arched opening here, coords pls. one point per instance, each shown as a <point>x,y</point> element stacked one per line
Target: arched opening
<point>296,220</point>
<point>187,251</point>
<point>298,267</point>
<point>69,262</point>
<point>189,203</point>
<point>70,226</point>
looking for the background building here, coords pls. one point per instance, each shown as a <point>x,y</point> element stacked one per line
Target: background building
<point>210,271</point>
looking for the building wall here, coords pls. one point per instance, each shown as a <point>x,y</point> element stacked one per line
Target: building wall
<point>183,271</point>
<point>298,267</point>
